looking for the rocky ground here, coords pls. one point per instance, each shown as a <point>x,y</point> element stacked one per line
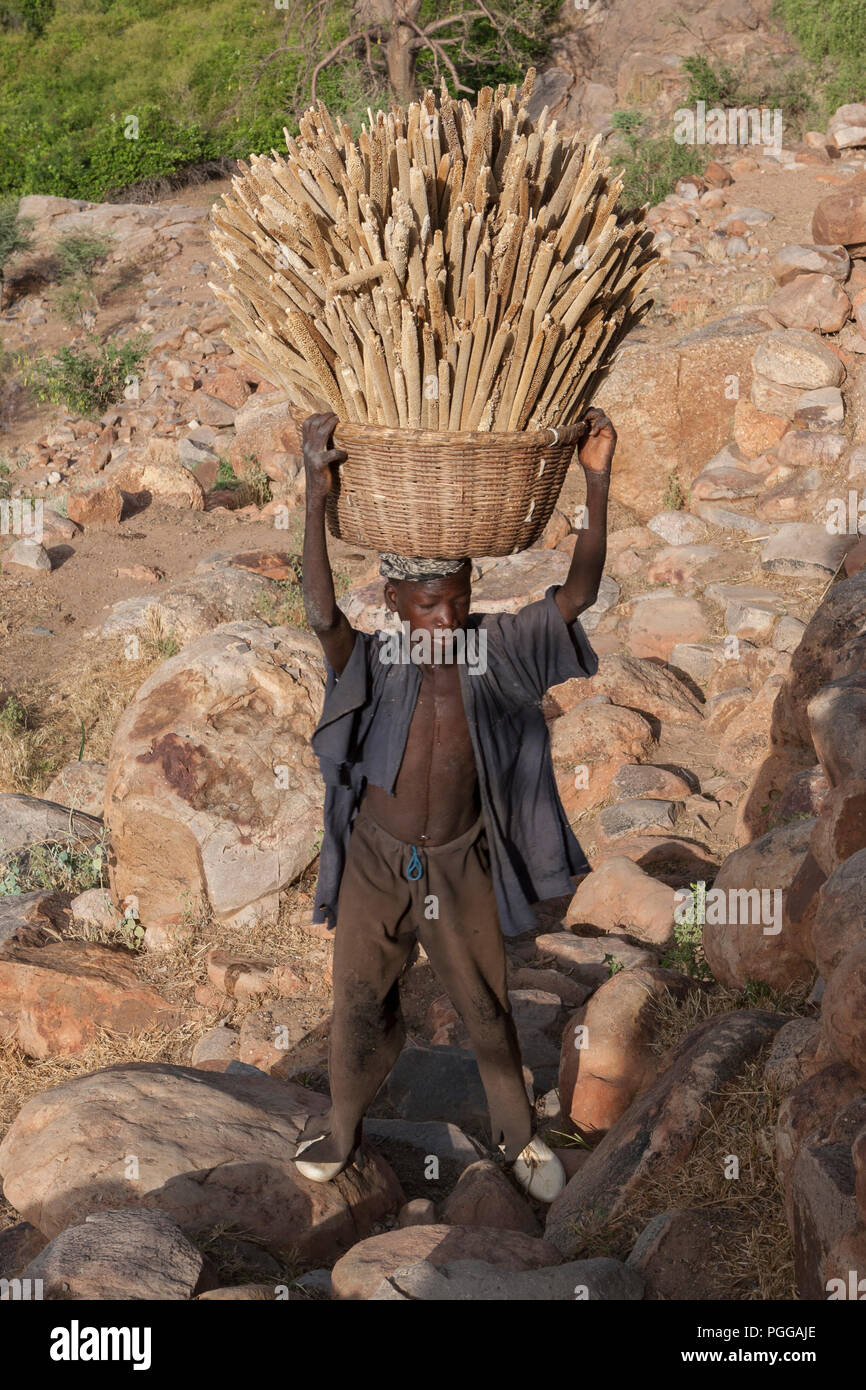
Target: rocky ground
<point>161,808</point>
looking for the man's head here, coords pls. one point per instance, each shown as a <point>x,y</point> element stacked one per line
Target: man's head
<point>431,595</point>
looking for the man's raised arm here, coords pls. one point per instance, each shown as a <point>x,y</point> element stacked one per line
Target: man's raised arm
<point>328,622</point>
<point>595,454</point>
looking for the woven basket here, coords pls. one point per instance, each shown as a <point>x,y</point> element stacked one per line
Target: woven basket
<point>425,493</point>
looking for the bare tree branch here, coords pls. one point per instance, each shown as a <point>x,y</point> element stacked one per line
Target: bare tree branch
<point>335,53</point>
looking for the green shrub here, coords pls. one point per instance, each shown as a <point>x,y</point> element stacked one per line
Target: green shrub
<point>14,232</point>
<point>651,164</point>
<point>86,381</point>
<point>78,253</point>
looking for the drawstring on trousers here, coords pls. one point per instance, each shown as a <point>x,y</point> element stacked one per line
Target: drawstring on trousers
<point>415,868</point>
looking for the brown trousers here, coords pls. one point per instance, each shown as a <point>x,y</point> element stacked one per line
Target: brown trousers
<point>451,909</point>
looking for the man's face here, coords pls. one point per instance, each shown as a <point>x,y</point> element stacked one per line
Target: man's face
<point>437,606</point>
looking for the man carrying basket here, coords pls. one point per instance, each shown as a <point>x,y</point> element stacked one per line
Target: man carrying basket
<point>442,818</point>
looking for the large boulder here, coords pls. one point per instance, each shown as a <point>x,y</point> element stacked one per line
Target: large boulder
<point>843,1010</point>
<point>823,1198</point>
<point>358,1273</point>
<point>833,645</point>
<point>669,409</point>
<point>210,1149</point>
<point>213,791</point>
<point>748,935</point>
<point>477,1281</point>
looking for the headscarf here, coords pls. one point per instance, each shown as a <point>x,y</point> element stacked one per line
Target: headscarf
<point>397,567</point>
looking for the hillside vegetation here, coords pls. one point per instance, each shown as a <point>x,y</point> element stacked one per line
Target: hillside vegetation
<point>97,95</point>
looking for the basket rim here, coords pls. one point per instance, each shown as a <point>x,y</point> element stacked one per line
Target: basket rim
<point>549,436</point>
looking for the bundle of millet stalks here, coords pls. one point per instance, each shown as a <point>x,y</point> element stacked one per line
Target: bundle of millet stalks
<point>454,268</point>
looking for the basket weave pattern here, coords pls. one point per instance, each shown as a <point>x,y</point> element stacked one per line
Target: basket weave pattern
<point>425,493</point>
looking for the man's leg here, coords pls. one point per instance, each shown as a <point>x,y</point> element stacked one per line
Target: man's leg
<point>466,950</point>
<point>373,939</point>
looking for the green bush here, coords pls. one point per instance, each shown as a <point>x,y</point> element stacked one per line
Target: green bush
<point>651,164</point>
<point>78,253</point>
<point>14,231</point>
<point>832,36</point>
<point>86,381</point>
<point>196,79</point>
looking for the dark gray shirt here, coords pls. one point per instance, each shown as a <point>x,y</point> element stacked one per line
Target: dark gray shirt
<point>362,734</point>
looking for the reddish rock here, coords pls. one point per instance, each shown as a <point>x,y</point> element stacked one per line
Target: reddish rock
<point>618,894</point>
<point>754,431</point>
<point>589,744</point>
<point>840,917</point>
<point>841,827</point>
<point>212,1149</point>
<point>96,506</point>
<point>843,1009</point>
<point>99,453</point>
<point>661,620</point>
<point>811,1105</point>
<point>841,219</point>
<point>749,896</point>
<point>228,386</point>
<point>485,1197</point>
<point>614,1061</point>
<point>823,1203</point>
<point>811,302</point>
<point>638,685</point>
<point>54,999</point>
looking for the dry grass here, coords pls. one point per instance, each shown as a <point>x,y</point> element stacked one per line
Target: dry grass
<point>80,697</point>
<point>752,1256</point>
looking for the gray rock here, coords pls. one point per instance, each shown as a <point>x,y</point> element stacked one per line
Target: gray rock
<point>119,1255</point>
<point>802,551</point>
<point>732,521</point>
<point>192,452</point>
<point>697,659</point>
<point>476,1281</point>
<point>677,528</point>
<point>588,958</point>
<point>27,820</point>
<point>608,597</point>
<point>28,554</point>
<point>409,1148</point>
<point>19,1244</point>
<point>637,814</point>
<point>787,634</point>
<point>437,1083</point>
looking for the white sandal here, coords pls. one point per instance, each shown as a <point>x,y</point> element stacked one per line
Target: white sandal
<point>538,1171</point>
<point>318,1172</point>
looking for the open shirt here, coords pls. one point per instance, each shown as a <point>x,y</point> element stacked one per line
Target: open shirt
<point>361,738</point>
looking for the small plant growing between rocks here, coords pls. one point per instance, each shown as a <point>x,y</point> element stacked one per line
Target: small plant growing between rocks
<point>674,498</point>
<point>687,952</point>
<point>87,380</point>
